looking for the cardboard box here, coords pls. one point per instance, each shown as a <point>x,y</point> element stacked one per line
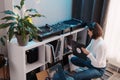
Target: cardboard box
<point>42,75</point>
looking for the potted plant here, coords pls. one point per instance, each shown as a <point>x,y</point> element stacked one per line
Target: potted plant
<point>20,24</point>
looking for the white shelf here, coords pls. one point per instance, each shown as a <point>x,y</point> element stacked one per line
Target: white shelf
<point>32,66</point>
<point>34,43</point>
<point>17,55</point>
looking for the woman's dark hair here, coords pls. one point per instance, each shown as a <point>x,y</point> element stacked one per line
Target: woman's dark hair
<point>96,29</point>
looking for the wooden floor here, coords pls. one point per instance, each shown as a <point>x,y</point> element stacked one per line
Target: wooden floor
<point>115,76</point>
<point>1,73</point>
<point>111,75</point>
<point>4,73</point>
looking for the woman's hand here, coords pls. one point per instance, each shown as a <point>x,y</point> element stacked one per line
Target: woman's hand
<point>69,47</point>
<point>85,51</point>
<point>78,50</point>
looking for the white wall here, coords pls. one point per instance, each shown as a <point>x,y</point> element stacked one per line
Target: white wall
<point>2,8</point>
<point>4,5</point>
<point>54,10</point>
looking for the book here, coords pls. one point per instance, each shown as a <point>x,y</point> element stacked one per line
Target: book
<point>48,53</point>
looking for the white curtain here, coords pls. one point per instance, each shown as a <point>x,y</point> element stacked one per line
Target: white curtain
<point>112,33</point>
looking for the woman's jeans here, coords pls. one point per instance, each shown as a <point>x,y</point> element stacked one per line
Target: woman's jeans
<point>88,74</point>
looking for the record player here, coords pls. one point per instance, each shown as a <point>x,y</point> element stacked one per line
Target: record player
<point>59,28</point>
<point>48,31</point>
<point>74,24</point>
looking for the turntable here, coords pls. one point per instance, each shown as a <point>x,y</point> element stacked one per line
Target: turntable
<point>48,31</point>
<point>74,24</point>
<point>59,28</point>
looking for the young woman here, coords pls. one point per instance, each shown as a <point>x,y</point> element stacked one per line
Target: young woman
<point>96,54</point>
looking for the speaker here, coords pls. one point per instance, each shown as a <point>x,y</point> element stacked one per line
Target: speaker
<point>32,55</point>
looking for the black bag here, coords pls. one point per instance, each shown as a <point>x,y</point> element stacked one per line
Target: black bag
<point>32,55</point>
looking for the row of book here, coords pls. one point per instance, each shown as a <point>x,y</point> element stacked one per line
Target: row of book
<point>53,51</point>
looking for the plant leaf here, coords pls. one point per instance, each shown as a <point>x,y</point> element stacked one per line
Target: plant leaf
<point>23,34</point>
<point>31,10</point>
<point>22,3</point>
<point>31,28</point>
<point>11,32</point>
<point>26,17</point>
<point>36,15</point>
<point>4,37</point>
<point>9,12</point>
<point>5,25</point>
<point>7,18</point>
<point>30,25</point>
<point>2,40</point>
<point>18,7</point>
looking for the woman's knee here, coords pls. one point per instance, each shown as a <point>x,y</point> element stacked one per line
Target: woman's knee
<point>77,61</point>
<point>74,60</point>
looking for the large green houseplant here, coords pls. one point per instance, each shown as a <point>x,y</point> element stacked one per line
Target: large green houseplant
<point>20,24</point>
